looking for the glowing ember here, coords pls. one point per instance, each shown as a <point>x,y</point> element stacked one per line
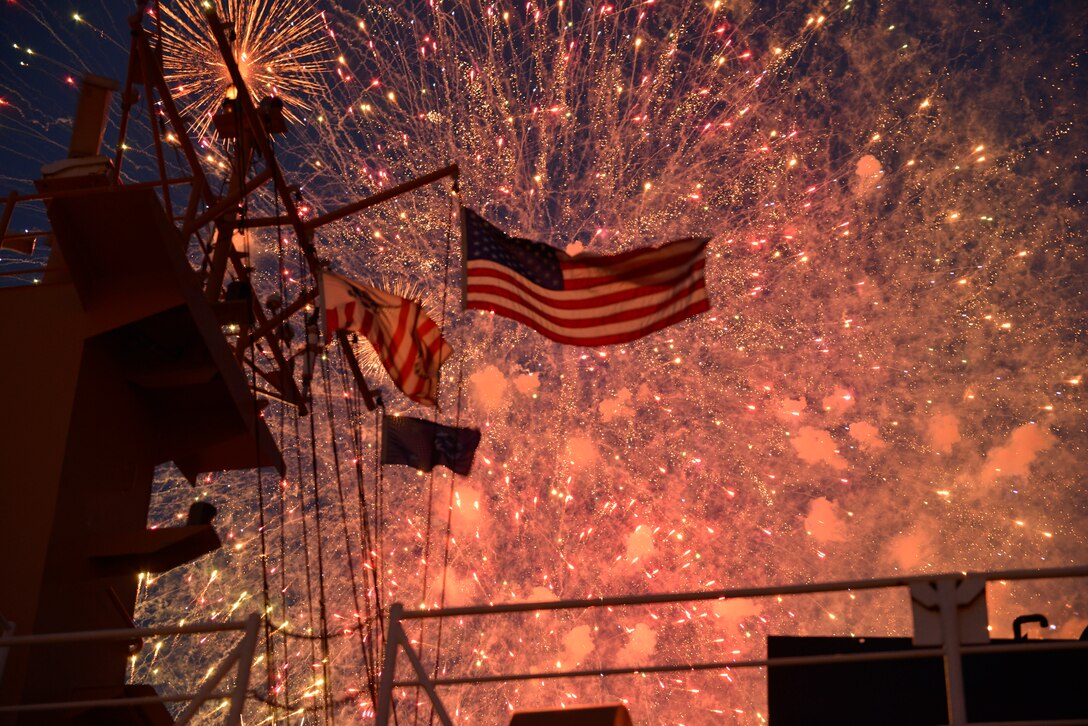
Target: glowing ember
<point>889,381</point>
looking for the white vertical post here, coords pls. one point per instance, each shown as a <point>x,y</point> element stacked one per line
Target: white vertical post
<point>424,680</point>
<point>246,649</point>
<point>389,665</point>
<point>206,689</point>
<point>948,602</point>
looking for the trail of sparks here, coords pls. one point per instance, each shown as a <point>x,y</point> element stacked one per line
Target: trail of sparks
<point>890,380</point>
<point>282,50</point>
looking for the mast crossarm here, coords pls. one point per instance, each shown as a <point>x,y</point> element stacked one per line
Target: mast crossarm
<point>273,323</point>
<point>281,381</point>
<point>349,209</point>
<point>226,204</point>
<point>451,170</point>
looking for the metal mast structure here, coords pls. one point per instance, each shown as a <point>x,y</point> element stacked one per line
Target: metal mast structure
<point>143,344</point>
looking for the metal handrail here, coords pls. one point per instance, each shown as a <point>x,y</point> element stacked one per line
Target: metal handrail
<point>241,655</point>
<point>950,650</point>
<point>745,592</point>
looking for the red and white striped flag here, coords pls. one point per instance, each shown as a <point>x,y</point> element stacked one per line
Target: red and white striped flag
<point>408,343</point>
<point>587,299</point>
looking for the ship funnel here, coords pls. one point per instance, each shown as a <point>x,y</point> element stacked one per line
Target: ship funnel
<point>88,129</point>
<point>89,126</point>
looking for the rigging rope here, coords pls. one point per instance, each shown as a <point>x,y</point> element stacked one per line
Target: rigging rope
<point>379,513</point>
<point>351,402</point>
<point>305,538</point>
<point>449,528</point>
<point>359,626</point>
<point>280,268</point>
<point>322,605</point>
<point>455,196</point>
<point>241,166</point>
<point>323,631</point>
<point>438,387</point>
<point>455,208</point>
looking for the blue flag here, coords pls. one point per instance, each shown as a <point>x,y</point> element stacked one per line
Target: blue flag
<point>424,444</point>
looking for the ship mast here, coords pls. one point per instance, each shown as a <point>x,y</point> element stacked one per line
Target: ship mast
<point>144,344</point>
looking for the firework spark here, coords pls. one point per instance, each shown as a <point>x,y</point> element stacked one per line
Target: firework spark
<point>890,381</point>
<point>282,50</point>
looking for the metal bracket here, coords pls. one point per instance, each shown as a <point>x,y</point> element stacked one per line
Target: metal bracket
<point>966,595</point>
<point>397,638</point>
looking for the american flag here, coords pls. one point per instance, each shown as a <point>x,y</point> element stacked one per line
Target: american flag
<point>408,343</point>
<point>583,300</point>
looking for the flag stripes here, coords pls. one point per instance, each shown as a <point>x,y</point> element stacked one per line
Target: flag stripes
<point>408,343</point>
<point>603,299</point>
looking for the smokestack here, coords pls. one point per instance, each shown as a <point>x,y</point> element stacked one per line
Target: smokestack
<point>89,126</point>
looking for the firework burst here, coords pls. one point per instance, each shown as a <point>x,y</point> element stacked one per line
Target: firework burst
<point>890,381</point>
<point>282,50</point>
<point>849,197</point>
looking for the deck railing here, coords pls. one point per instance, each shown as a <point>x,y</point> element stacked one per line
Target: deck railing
<point>240,657</point>
<point>946,608</point>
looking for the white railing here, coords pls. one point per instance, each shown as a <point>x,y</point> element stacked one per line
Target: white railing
<point>949,617</point>
<point>241,656</point>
